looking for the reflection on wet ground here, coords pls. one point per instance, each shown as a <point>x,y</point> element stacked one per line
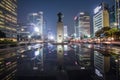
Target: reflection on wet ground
<point>59,62</point>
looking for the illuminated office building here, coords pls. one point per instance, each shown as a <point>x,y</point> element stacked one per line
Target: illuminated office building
<point>114,13</point>
<point>36,19</point>
<point>8,17</point>
<point>23,32</point>
<point>112,16</point>
<point>82,25</point>
<point>101,17</point>
<point>117,13</point>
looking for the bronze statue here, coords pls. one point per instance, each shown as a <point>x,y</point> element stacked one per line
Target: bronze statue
<point>60,16</point>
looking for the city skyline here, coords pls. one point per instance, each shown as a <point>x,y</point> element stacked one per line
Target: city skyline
<point>52,40</point>
<point>51,8</point>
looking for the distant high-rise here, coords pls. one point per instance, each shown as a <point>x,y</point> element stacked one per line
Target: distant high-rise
<point>8,17</point>
<point>65,32</point>
<point>49,34</point>
<point>101,17</point>
<point>82,25</point>
<point>36,19</point>
<point>112,16</point>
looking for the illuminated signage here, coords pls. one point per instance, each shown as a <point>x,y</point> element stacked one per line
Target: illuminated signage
<point>97,9</point>
<point>82,13</point>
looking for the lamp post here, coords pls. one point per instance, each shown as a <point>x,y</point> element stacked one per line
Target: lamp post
<point>111,42</point>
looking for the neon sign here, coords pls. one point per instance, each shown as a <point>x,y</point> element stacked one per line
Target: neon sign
<point>97,9</point>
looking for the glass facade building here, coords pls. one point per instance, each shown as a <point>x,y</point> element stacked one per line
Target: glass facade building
<point>117,13</point>
<point>101,17</point>
<point>82,25</point>
<point>8,17</point>
<point>36,20</point>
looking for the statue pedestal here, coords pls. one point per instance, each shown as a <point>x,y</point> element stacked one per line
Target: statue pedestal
<point>60,32</point>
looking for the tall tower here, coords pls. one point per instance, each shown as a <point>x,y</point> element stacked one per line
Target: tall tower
<point>101,17</point>
<point>82,25</point>
<point>8,17</point>
<point>60,29</point>
<point>117,13</point>
<point>65,32</point>
<point>36,19</point>
<point>112,15</point>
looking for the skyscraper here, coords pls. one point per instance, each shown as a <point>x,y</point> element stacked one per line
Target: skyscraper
<point>8,17</point>
<point>112,16</point>
<point>36,19</point>
<point>117,13</point>
<point>82,25</point>
<point>101,17</point>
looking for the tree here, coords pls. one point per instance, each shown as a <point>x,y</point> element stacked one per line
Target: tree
<point>113,32</point>
<point>97,33</point>
<point>107,34</point>
<point>117,34</point>
<point>103,30</point>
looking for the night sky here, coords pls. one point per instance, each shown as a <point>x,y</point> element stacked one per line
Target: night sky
<point>50,8</point>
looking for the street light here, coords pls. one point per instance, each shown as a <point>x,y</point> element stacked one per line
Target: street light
<point>36,29</point>
<point>51,37</point>
<point>111,42</point>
